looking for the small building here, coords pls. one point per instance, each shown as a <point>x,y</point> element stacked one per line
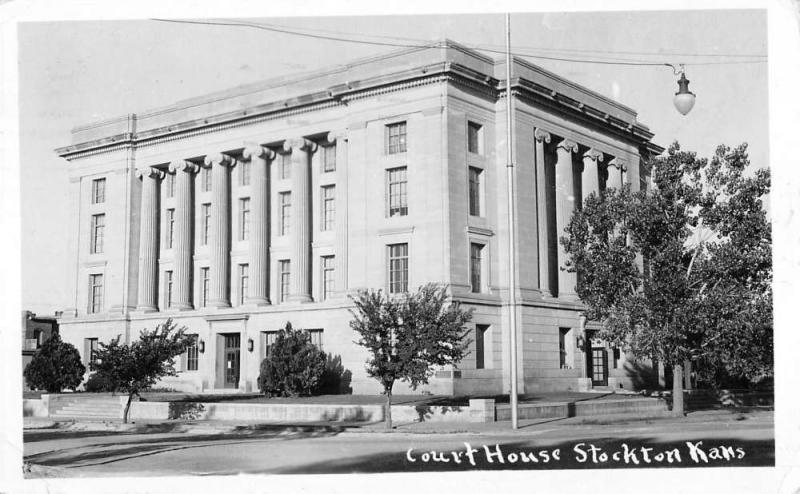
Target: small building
<point>35,331</point>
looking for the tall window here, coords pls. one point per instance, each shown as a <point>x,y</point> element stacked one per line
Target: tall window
<point>481,333</point>
<point>329,158</point>
<point>475,266</point>
<point>98,233</point>
<point>90,348</point>
<point>244,279</point>
<point>327,276</point>
<point>396,138</point>
<point>205,279</point>
<point>398,196</point>
<point>98,190</point>
<point>285,273</point>
<point>475,191</point>
<point>285,211</point>
<point>170,233</point>
<point>244,172</point>
<point>398,268</point>
<point>269,340</point>
<point>316,337</point>
<point>285,170</point>
<point>205,223</point>
<point>170,184</point>
<point>562,347</point>
<point>168,281</point>
<point>95,293</point>
<point>192,354</point>
<point>244,218</point>
<point>328,207</point>
<point>205,173</point>
<point>474,138</point>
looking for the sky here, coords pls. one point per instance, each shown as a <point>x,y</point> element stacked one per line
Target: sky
<point>73,73</point>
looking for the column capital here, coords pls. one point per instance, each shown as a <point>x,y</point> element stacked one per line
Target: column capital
<point>149,172</point>
<point>619,163</point>
<point>257,151</point>
<point>184,166</point>
<point>300,143</point>
<point>218,159</point>
<point>542,135</point>
<point>594,155</point>
<point>336,135</point>
<point>568,145</point>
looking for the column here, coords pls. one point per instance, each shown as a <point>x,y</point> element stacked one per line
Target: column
<point>220,247</point>
<point>148,239</point>
<point>182,286</point>
<point>565,205</point>
<point>542,137</point>
<point>341,141</point>
<point>590,179</point>
<point>258,288</point>
<point>615,169</point>
<point>300,283</point>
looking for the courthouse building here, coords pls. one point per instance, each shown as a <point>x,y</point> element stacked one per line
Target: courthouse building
<point>238,211</point>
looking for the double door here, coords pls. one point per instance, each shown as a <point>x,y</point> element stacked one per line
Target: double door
<point>232,354</point>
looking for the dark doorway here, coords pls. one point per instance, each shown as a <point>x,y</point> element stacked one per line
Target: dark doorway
<point>599,366</point>
<point>232,349</point>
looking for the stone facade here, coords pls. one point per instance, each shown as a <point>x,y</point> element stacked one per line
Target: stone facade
<point>239,211</point>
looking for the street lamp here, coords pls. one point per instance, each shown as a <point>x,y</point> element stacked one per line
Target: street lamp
<point>684,99</point>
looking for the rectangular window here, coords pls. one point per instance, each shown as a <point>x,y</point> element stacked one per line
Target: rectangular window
<point>244,279</point>
<point>192,354</point>
<point>396,138</point>
<point>205,223</point>
<point>95,293</point>
<point>244,172</point>
<point>285,211</point>
<point>38,336</point>
<point>475,266</point>
<point>398,195</point>
<point>168,281</point>
<point>244,218</point>
<point>327,276</point>
<point>285,170</point>
<point>398,268</point>
<point>328,207</point>
<point>562,348</point>
<point>98,191</point>
<point>170,184</point>
<point>474,138</point>
<point>329,158</point>
<point>90,346</point>
<point>617,355</point>
<point>284,279</point>
<point>170,230</point>
<point>204,285</point>
<point>205,172</point>
<point>481,333</point>
<point>316,337</point>
<point>98,233</point>
<point>475,191</point>
<point>269,340</point>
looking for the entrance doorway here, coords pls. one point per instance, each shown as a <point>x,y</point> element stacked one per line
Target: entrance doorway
<point>598,369</point>
<point>232,355</point>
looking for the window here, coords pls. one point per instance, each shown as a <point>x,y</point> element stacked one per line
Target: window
<point>398,198</point>
<point>168,281</point>
<point>285,210</point>
<point>192,354</point>
<point>474,138</point>
<point>204,282</point>
<point>269,340</point>
<point>37,335</point>
<point>398,268</point>
<point>285,170</point>
<point>244,172</point>
<point>481,333</point>
<point>327,276</point>
<point>205,173</point>
<point>98,232</point>
<point>244,218</point>
<point>328,207</point>
<point>475,266</point>
<point>329,158</point>
<point>98,191</point>
<point>244,278</point>
<point>90,350</point>
<point>616,356</point>
<point>170,231</point>
<point>284,279</point>
<point>475,191</point>
<point>205,224</point>
<point>95,293</point>
<point>316,337</point>
<point>562,348</point>
<point>170,184</point>
<point>396,137</point>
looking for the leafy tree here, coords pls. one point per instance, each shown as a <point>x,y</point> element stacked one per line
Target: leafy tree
<point>55,366</point>
<point>408,335</point>
<point>293,366</point>
<point>703,292</point>
<point>139,365</point>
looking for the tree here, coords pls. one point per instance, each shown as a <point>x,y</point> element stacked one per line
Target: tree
<point>293,366</point>
<point>55,366</point>
<point>703,291</point>
<point>139,365</point>
<point>407,335</point>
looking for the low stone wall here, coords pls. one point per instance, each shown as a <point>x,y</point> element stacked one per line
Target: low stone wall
<point>34,408</point>
<point>583,408</point>
<point>263,412</point>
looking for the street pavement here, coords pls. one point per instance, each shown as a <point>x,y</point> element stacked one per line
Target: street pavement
<point>702,439</point>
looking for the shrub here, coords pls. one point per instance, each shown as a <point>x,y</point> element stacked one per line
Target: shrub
<point>293,366</point>
<point>55,366</point>
<point>99,383</point>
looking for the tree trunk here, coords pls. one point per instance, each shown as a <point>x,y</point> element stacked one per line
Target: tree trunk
<point>677,390</point>
<point>128,407</point>
<point>387,412</point>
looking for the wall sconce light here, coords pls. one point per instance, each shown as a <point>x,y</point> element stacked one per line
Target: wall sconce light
<point>249,344</point>
<point>201,346</point>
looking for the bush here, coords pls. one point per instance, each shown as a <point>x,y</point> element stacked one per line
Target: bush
<point>98,383</point>
<point>293,367</point>
<point>55,366</point>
